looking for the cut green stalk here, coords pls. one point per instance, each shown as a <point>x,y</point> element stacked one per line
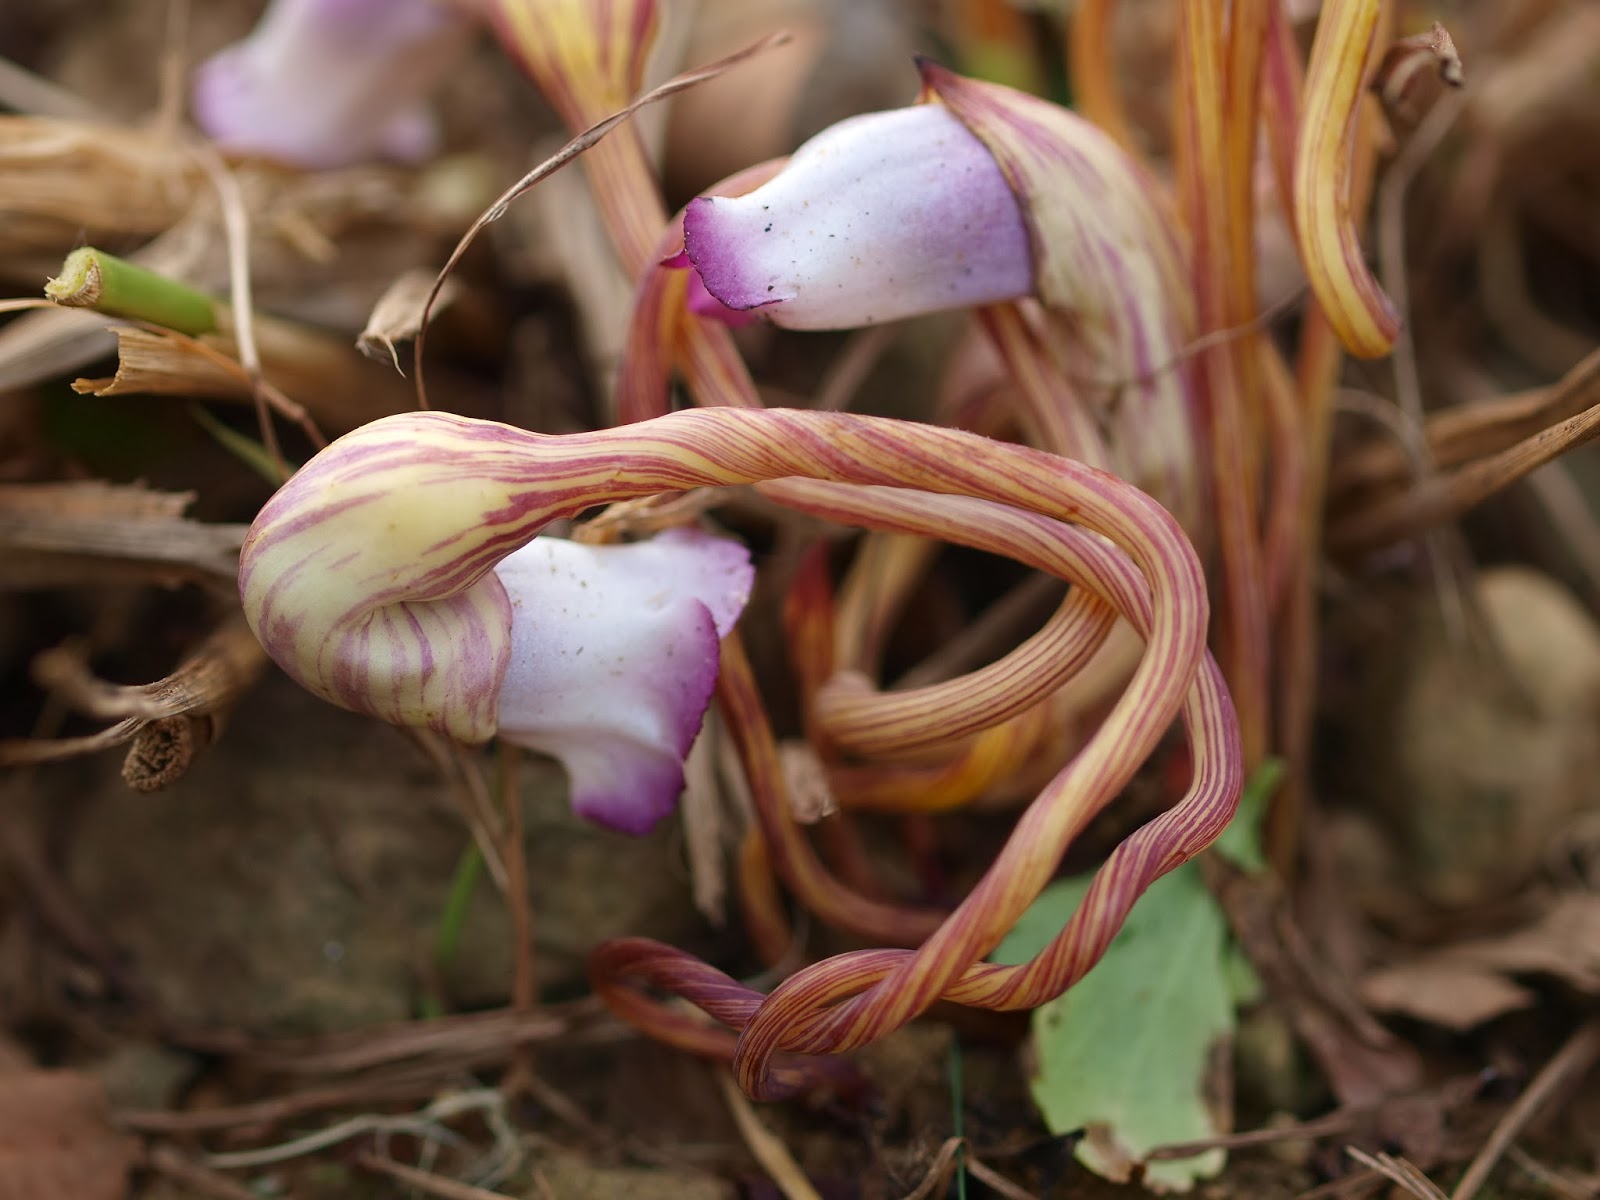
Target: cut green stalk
<point>107,284</point>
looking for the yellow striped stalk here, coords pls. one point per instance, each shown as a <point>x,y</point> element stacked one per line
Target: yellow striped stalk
<point>1325,223</point>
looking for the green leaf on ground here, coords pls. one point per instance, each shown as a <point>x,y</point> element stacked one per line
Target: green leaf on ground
<point>1137,1053</point>
<point>1240,843</point>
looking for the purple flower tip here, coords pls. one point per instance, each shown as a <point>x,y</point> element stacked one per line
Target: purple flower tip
<point>614,655</point>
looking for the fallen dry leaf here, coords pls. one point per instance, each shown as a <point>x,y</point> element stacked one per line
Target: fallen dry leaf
<point>1458,996</point>
<point>1467,984</point>
<point>398,314</point>
<point>56,1139</point>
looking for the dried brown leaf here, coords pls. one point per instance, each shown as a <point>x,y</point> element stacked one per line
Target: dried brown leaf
<point>1458,996</point>
<point>335,387</point>
<point>398,314</point>
<point>1468,983</point>
<point>59,1140</point>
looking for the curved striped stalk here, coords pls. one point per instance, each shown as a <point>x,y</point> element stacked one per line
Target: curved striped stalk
<point>367,577</point>
<point>971,769</point>
<point>862,720</point>
<point>848,1000</point>
<point>1359,311</point>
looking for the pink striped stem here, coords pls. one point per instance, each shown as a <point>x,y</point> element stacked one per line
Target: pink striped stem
<point>851,999</point>
<point>373,561</point>
<point>664,334</point>
<point>588,58</point>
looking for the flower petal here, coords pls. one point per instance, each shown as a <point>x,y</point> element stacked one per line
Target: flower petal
<point>614,653</point>
<point>326,83</point>
<point>879,217</point>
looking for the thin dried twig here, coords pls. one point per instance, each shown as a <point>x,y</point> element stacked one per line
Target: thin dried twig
<point>1398,1171</point>
<point>236,230</point>
<point>996,1182</point>
<point>427,1181</point>
<point>938,1170</point>
<point>203,1180</point>
<point>1562,1184</point>
<point>1445,496</point>
<point>1572,1061</point>
<point>409,1087</point>
<point>1469,431</point>
<point>769,1150</point>
<point>453,1040</point>
<point>524,980</point>
<point>426,1123</point>
<point>169,720</point>
<point>678,83</point>
<point>471,795</point>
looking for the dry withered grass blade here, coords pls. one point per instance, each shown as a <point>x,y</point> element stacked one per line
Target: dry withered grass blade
<point>1399,1172</point>
<point>65,534</point>
<point>425,1181</point>
<point>339,389</point>
<point>768,1148</point>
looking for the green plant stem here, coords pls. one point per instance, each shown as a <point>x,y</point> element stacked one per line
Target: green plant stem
<point>454,918</point>
<point>957,1114</point>
<point>107,284</point>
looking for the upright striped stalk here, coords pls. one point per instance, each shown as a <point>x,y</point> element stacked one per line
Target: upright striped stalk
<point>1217,117</point>
<point>588,58</point>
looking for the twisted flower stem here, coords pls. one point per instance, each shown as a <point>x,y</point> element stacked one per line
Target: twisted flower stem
<point>852,999</point>
<point>369,577</point>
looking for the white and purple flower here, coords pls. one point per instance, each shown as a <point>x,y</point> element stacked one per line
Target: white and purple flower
<point>880,217</point>
<point>329,83</point>
<point>614,655</point>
